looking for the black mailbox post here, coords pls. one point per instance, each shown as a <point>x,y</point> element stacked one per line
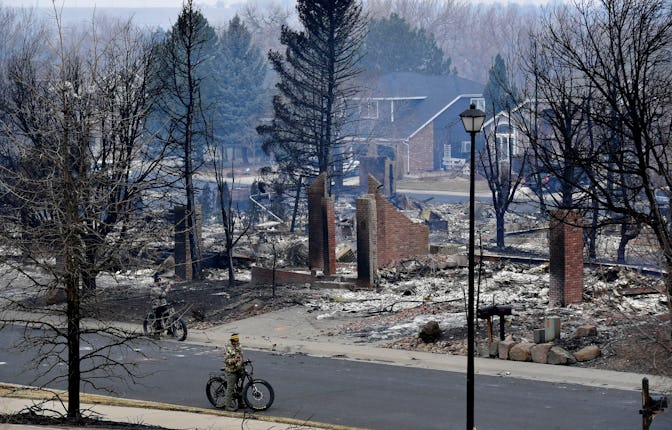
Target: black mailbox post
<point>487,312</point>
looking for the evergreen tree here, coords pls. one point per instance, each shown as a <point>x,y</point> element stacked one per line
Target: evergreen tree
<point>316,79</point>
<point>499,94</point>
<point>237,90</point>
<point>392,45</point>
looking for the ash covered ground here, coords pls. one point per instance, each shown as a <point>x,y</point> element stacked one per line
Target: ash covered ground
<point>632,320</point>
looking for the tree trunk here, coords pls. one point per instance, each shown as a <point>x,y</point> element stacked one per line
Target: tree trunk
<point>192,230</point>
<point>73,317</point>
<point>628,232</point>
<point>668,288</point>
<point>592,236</point>
<point>232,275</point>
<point>296,205</point>
<point>500,229</point>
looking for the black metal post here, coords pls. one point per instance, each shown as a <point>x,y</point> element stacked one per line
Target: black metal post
<point>470,298</point>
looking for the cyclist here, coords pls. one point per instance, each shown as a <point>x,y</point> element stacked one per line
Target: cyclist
<point>233,364</point>
<point>158,295</point>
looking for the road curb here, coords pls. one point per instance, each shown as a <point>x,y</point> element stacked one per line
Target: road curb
<point>35,393</point>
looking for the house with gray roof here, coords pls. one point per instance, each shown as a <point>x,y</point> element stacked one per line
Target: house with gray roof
<point>413,120</point>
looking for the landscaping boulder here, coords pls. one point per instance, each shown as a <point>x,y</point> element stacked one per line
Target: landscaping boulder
<point>504,347</point>
<point>540,351</point>
<point>585,331</point>
<point>430,332</point>
<point>558,355</point>
<point>588,353</point>
<point>521,352</point>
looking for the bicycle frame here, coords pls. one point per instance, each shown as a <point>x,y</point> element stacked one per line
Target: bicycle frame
<point>256,394</point>
<point>168,317</point>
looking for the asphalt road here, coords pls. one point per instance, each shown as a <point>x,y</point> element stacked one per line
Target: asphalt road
<point>354,393</point>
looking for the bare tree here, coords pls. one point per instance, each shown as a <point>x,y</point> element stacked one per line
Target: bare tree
<point>503,159</point>
<point>184,56</point>
<point>503,166</point>
<point>73,175</point>
<point>616,52</point>
<point>231,216</point>
<point>265,24</point>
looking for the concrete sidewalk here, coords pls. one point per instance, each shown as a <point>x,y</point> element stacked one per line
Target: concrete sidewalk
<point>14,399</point>
<point>297,330</point>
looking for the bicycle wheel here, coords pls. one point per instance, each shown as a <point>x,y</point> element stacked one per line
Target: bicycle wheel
<point>147,325</point>
<point>178,329</point>
<point>258,395</point>
<point>215,389</point>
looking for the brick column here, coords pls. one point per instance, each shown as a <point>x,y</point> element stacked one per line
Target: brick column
<point>315,219</point>
<point>566,258</point>
<point>367,264</point>
<point>329,229</point>
<point>321,228</point>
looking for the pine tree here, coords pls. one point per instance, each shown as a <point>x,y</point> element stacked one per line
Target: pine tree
<point>237,89</point>
<point>393,46</point>
<point>316,75</point>
<point>499,93</point>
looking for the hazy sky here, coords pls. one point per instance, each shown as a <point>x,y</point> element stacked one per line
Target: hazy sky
<point>172,3</point>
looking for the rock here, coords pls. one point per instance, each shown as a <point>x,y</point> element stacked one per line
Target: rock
<point>588,353</point>
<point>483,349</point>
<point>430,332</point>
<point>586,331</point>
<point>55,296</point>
<point>539,352</point>
<point>521,352</point>
<point>504,347</point>
<point>558,355</point>
<point>494,348</point>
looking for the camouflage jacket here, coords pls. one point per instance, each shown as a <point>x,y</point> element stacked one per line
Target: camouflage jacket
<point>233,358</point>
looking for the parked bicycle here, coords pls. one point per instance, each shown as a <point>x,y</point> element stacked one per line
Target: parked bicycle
<point>169,321</point>
<point>256,393</point>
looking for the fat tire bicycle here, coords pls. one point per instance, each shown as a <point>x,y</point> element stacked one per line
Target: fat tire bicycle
<point>169,321</point>
<point>256,393</point>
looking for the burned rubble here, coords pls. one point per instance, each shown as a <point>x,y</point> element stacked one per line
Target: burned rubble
<point>625,311</point>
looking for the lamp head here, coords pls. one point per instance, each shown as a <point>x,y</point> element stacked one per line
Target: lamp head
<point>472,119</point>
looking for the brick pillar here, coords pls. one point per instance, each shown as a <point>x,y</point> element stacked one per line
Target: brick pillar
<point>367,232</point>
<point>321,228</point>
<point>316,192</point>
<point>566,258</point>
<point>182,252</point>
<point>329,229</point>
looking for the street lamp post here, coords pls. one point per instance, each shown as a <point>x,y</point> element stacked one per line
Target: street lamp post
<point>472,119</point>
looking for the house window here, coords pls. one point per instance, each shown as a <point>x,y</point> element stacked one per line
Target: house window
<point>506,141</point>
<point>503,144</point>
<point>369,109</point>
<point>479,102</point>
